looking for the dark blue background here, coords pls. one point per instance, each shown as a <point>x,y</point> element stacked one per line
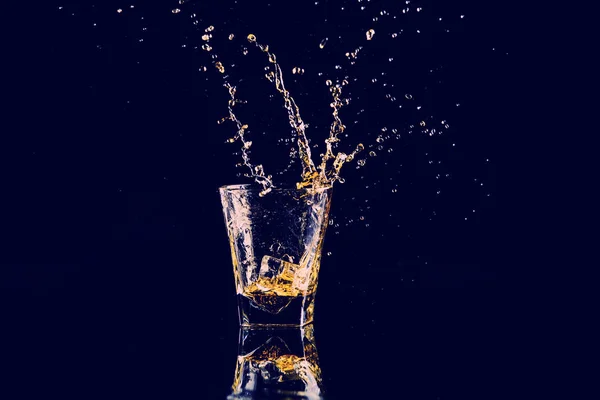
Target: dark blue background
<point>114,245</point>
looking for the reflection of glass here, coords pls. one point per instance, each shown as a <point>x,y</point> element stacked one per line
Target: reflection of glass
<point>276,243</point>
<point>277,362</point>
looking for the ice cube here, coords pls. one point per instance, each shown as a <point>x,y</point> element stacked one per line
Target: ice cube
<point>272,267</point>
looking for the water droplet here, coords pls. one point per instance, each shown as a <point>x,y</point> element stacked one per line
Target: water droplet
<point>372,154</point>
<point>361,162</point>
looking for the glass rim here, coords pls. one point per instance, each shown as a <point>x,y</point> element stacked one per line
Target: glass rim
<point>249,187</point>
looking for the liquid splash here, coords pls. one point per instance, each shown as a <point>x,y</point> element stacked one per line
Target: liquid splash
<point>311,176</point>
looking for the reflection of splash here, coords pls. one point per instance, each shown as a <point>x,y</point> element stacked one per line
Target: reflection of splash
<point>280,362</point>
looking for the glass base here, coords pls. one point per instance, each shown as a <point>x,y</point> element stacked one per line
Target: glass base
<point>275,311</point>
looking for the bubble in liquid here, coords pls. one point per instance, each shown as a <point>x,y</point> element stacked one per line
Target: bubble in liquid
<point>394,35</point>
<point>206,38</point>
<point>379,139</point>
<point>203,69</point>
<point>245,51</point>
<point>206,47</point>
<point>298,70</point>
<point>408,96</point>
<point>209,29</point>
<point>361,162</point>
<point>176,11</point>
<point>328,82</point>
<point>323,43</point>
<point>370,33</point>
<point>119,11</point>
<point>251,38</point>
<point>372,154</point>
<point>231,36</point>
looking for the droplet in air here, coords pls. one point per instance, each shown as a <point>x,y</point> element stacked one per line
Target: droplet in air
<point>370,34</point>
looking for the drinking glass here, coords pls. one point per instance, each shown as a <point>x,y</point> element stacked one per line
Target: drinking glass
<point>276,242</point>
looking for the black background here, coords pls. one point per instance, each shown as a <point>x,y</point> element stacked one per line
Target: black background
<point>114,245</point>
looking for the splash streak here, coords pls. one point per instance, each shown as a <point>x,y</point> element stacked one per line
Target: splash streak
<point>310,176</point>
<point>309,171</point>
<point>257,172</point>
